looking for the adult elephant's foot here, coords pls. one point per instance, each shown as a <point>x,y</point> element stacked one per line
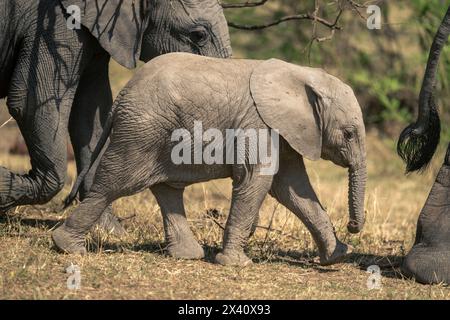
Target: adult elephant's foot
<point>13,190</point>
<point>233,258</point>
<point>7,198</point>
<point>187,248</point>
<point>428,265</point>
<point>429,259</point>
<point>338,254</point>
<point>111,223</point>
<point>25,189</point>
<point>68,241</point>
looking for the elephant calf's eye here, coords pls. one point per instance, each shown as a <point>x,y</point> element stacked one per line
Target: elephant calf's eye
<point>199,36</point>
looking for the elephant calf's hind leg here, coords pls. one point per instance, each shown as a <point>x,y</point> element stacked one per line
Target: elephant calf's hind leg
<point>181,243</point>
<point>111,182</point>
<point>93,101</point>
<point>70,236</point>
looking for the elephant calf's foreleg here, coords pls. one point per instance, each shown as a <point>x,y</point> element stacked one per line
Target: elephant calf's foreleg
<point>248,195</point>
<point>70,236</point>
<point>181,243</point>
<point>292,188</point>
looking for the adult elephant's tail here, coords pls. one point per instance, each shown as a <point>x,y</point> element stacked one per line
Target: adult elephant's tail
<point>101,145</point>
<point>418,142</point>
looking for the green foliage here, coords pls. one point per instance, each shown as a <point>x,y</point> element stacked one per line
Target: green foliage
<point>393,111</point>
<point>383,89</point>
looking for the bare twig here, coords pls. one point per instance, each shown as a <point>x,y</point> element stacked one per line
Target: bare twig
<point>246,4</point>
<point>280,232</point>
<point>356,7</point>
<point>209,215</point>
<point>363,5</point>
<point>220,191</point>
<point>6,122</point>
<point>316,12</point>
<point>303,16</point>
<point>322,39</point>
<point>129,217</point>
<point>356,4</point>
<point>327,38</point>
<point>308,48</point>
<point>269,228</point>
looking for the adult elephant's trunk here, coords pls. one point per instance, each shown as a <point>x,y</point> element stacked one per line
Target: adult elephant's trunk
<point>418,142</point>
<point>356,189</point>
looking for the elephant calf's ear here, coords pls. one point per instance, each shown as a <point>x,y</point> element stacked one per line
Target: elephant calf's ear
<point>117,24</point>
<point>287,103</point>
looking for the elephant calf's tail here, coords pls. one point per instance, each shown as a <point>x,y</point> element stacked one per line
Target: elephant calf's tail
<point>98,149</point>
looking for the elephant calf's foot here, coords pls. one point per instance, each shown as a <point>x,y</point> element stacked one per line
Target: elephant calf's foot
<point>111,224</point>
<point>233,258</point>
<point>339,253</point>
<point>67,241</point>
<point>186,249</point>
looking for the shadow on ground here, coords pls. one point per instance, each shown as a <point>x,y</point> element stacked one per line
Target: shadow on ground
<point>389,264</point>
<point>47,223</point>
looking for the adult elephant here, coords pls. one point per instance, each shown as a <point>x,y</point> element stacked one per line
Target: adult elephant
<point>429,259</point>
<point>49,67</point>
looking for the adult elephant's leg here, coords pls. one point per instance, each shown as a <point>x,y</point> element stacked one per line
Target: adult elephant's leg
<point>249,191</point>
<point>292,188</point>
<point>429,259</point>
<point>181,242</point>
<point>40,97</point>
<point>92,104</point>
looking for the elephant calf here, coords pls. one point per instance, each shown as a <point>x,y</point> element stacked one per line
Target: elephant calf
<point>316,115</point>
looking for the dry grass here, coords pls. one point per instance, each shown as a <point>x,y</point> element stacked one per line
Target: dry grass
<point>285,258</point>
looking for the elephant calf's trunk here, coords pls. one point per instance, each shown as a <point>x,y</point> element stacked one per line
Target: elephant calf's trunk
<point>356,190</point>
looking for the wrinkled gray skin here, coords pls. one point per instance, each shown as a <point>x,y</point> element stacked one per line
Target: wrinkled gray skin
<point>317,116</point>
<point>429,259</point>
<point>47,70</point>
